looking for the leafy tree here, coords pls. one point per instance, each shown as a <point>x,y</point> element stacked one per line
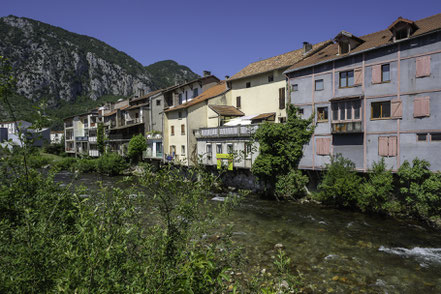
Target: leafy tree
<point>100,139</point>
<point>137,145</point>
<point>281,148</point>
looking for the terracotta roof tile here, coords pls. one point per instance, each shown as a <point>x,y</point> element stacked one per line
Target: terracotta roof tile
<point>226,110</point>
<point>371,41</point>
<point>276,62</point>
<point>212,92</point>
<point>264,116</point>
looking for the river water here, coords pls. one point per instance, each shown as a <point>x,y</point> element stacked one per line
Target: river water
<point>337,251</point>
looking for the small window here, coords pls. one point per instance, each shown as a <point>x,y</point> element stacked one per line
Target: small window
<point>295,87</point>
<point>319,85</point>
<point>219,148</point>
<point>183,149</point>
<point>180,98</point>
<point>346,79</point>
<point>230,148</point>
<point>248,150</point>
<point>385,73</point>
<point>195,92</point>
<point>172,130</point>
<point>401,34</point>
<point>282,120</point>
<point>182,129</point>
<point>344,47</point>
<point>435,136</point>
<point>158,102</point>
<point>248,84</point>
<point>209,151</point>
<point>282,98</point>
<point>300,111</point>
<point>322,114</point>
<point>270,78</point>
<point>380,110</point>
<point>173,150</point>
<point>422,137</point>
<point>238,101</point>
<point>180,114</point>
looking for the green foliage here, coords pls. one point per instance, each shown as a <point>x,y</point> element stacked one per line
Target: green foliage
<point>86,165</point>
<point>100,139</point>
<point>137,145</point>
<point>340,185</point>
<point>111,164</point>
<point>420,189</point>
<point>376,193</point>
<point>281,148</point>
<point>66,163</point>
<point>166,72</point>
<point>291,185</point>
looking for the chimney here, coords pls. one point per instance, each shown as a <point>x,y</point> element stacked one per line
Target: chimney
<point>306,47</point>
<point>227,77</point>
<point>206,73</point>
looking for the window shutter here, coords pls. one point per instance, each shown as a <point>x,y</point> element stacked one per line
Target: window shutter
<point>396,108</point>
<point>358,77</point>
<point>383,149</point>
<point>376,74</point>
<point>423,66</point>
<point>282,98</point>
<point>392,146</point>
<point>323,146</point>
<point>421,107</point>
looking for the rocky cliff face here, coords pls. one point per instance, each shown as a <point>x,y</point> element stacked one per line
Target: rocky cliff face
<point>54,64</point>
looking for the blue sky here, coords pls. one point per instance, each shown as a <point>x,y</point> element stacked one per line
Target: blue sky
<point>221,36</point>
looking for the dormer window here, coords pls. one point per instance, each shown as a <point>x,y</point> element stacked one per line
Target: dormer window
<point>347,42</point>
<point>402,29</point>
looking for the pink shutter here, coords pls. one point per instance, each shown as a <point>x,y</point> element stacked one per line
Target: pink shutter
<point>396,108</point>
<point>421,107</point>
<point>327,146</point>
<point>423,66</point>
<point>426,106</point>
<point>323,146</point>
<point>319,147</point>
<point>392,146</point>
<point>358,76</point>
<point>383,146</point>
<point>376,74</point>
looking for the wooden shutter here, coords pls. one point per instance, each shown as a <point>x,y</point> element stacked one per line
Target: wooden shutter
<point>392,146</point>
<point>376,74</point>
<point>282,98</point>
<point>421,107</point>
<point>323,146</point>
<point>182,129</point>
<point>358,77</point>
<point>383,148</point>
<point>396,108</point>
<point>172,130</point>
<point>423,66</point>
<point>238,101</point>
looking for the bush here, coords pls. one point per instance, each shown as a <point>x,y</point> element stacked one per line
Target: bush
<point>56,149</point>
<point>377,192</point>
<point>86,165</point>
<point>137,145</point>
<point>37,161</point>
<point>291,185</point>
<point>420,189</point>
<point>111,164</point>
<point>341,184</point>
<point>66,163</point>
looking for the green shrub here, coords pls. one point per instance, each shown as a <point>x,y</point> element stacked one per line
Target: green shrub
<point>291,185</point>
<point>341,184</point>
<point>137,145</point>
<point>86,165</point>
<point>377,192</point>
<point>56,149</point>
<point>420,189</point>
<point>111,164</point>
<point>66,163</point>
<point>37,161</point>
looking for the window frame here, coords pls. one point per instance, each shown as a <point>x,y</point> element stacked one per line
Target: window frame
<point>238,102</point>
<point>182,129</point>
<point>182,149</point>
<point>424,134</point>
<point>172,130</point>
<point>315,85</point>
<point>382,71</point>
<point>195,92</point>
<point>431,136</point>
<point>347,79</point>
<point>381,110</point>
<point>270,78</point>
<point>248,85</point>
<point>294,87</point>
<point>209,151</point>
<point>217,148</point>
<point>326,111</point>
<point>352,119</point>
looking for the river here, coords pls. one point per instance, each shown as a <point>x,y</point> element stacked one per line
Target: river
<point>337,251</point>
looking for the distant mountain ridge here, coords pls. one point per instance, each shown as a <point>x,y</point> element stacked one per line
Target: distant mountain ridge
<point>59,66</point>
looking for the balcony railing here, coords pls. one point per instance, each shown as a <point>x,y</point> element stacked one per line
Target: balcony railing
<point>92,139</point>
<point>83,138</point>
<point>234,131</point>
<point>94,153</point>
<point>347,127</point>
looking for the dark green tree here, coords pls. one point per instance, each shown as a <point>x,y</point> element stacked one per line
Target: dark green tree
<point>281,148</point>
<point>137,145</point>
<point>100,139</point>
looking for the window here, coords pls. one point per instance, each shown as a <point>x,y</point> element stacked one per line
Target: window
<point>238,101</point>
<point>186,95</point>
<point>435,136</point>
<point>346,79</point>
<point>295,87</point>
<point>248,84</point>
<point>346,110</point>
<point>219,148</point>
<point>385,73</point>
<point>136,115</point>
<point>180,98</point>
<point>422,137</point>
<point>182,149</point>
<point>282,120</point>
<point>401,34</point>
<point>380,110</point>
<point>281,98</point>
<point>248,150</point>
<point>182,129</point>
<point>270,78</point>
<point>322,114</point>
<point>172,130</point>
<point>300,111</point>
<point>195,92</point>
<point>344,47</point>
<point>387,146</point>
<point>172,150</point>
<point>208,149</point>
<point>180,114</point>
<point>158,102</point>
<point>230,148</point>
<point>319,85</point>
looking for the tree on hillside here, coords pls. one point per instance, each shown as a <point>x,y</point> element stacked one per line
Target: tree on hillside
<point>137,145</point>
<point>100,139</point>
<point>281,148</point>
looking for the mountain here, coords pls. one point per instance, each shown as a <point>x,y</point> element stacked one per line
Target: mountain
<point>168,72</point>
<point>64,69</point>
